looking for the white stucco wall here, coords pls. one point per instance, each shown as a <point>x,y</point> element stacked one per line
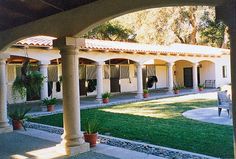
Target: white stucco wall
<point>220,62</point>
<point>179,71</point>
<point>207,71</point>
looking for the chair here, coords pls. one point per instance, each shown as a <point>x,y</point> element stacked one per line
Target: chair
<point>224,102</point>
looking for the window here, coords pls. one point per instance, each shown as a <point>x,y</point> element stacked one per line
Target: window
<point>90,72</point>
<point>53,73</point>
<point>224,71</point>
<point>124,71</point>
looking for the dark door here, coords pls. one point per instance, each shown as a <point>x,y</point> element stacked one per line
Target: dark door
<point>115,78</point>
<point>188,77</point>
<point>198,75</point>
<point>82,87</point>
<point>144,71</point>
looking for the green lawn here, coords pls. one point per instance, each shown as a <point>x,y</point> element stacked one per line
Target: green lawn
<point>160,122</point>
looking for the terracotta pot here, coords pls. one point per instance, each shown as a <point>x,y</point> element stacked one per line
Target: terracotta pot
<point>50,108</point>
<point>200,89</point>
<point>17,124</point>
<point>145,95</point>
<point>91,139</point>
<point>176,91</point>
<point>105,100</point>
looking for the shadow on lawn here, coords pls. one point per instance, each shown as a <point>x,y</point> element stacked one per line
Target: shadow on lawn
<point>175,131</point>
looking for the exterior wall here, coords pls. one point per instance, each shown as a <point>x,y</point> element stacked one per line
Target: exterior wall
<point>220,62</point>
<point>161,72</point>
<point>129,84</point>
<point>179,71</point>
<point>207,71</point>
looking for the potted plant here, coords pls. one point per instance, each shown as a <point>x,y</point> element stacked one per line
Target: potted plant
<point>105,97</point>
<point>145,93</point>
<point>50,103</point>
<point>176,89</point>
<point>90,131</point>
<point>200,87</point>
<point>29,85</point>
<point>17,115</point>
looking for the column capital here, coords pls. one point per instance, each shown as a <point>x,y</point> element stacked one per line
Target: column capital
<point>139,63</point>
<point>195,63</point>
<point>170,64</point>
<point>44,62</point>
<point>4,57</point>
<point>67,45</point>
<point>100,63</point>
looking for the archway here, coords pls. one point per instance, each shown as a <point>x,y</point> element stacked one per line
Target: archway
<point>207,74</point>
<point>183,73</point>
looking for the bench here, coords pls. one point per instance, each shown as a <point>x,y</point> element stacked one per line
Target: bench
<point>224,102</point>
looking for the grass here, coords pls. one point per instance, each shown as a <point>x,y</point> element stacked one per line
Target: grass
<point>160,122</point>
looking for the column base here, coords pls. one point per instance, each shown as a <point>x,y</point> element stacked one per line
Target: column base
<point>74,150</point>
<point>139,96</point>
<point>6,129</point>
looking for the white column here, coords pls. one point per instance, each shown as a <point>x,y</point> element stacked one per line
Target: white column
<point>4,126</point>
<point>73,140</point>
<point>99,80</point>
<point>195,80</point>
<point>43,67</point>
<point>170,76</point>
<point>139,80</point>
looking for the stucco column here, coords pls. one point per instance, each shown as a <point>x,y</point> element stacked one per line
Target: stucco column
<point>195,80</point>
<point>170,76</point>
<point>139,81</point>
<point>4,126</point>
<point>99,80</point>
<point>43,67</point>
<point>73,140</point>
<point>233,78</point>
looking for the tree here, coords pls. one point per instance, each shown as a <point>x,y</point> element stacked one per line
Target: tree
<point>214,33</point>
<point>111,31</point>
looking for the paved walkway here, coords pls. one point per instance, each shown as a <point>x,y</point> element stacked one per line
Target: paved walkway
<point>209,115</point>
<point>40,144</point>
<point>124,98</point>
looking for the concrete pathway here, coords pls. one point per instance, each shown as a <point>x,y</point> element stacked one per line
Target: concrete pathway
<point>209,115</point>
<point>124,98</point>
<point>101,151</point>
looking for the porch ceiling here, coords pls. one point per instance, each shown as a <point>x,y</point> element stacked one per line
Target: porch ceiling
<point>18,12</point>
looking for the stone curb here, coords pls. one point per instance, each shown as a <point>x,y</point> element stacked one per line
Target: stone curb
<point>128,144</point>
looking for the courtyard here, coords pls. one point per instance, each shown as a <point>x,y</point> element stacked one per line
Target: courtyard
<point>164,63</point>
<point>160,122</point>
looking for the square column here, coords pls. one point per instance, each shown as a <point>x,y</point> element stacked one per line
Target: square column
<point>99,80</point>
<point>73,138</point>
<point>170,77</point>
<point>233,78</point>
<point>195,80</point>
<point>139,81</point>
<point>4,125</point>
<point>43,67</point>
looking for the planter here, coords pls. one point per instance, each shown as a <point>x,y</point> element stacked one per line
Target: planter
<point>145,95</point>
<point>50,108</point>
<point>17,124</point>
<point>200,89</point>
<point>91,139</point>
<point>105,100</point>
<point>176,91</point>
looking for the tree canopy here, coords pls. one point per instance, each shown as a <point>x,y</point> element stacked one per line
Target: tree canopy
<point>190,25</point>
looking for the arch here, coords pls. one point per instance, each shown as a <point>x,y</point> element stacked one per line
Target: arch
<point>118,57</point>
<point>207,72</point>
<point>92,15</point>
<point>186,60</point>
<point>209,60</point>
